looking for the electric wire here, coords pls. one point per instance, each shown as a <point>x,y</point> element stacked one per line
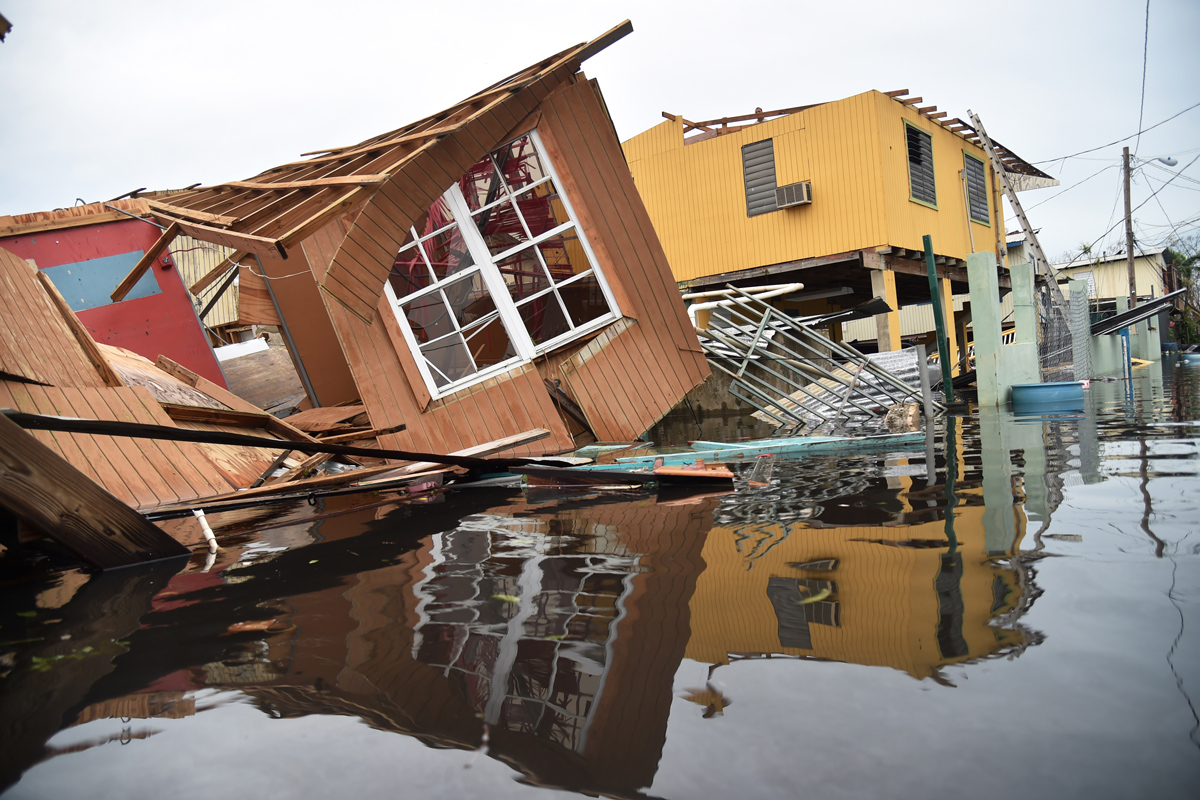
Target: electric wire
<point>1088,248</point>
<point>1145,53</point>
<point>1118,141</point>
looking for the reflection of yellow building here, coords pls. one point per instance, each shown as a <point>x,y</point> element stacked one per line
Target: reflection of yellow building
<point>890,595</point>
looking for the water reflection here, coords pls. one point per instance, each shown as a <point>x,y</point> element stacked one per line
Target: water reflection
<point>549,636</point>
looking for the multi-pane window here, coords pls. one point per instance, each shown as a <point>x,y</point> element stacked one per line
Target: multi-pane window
<point>976,177</point>
<point>920,165</point>
<point>758,171</point>
<point>496,271</point>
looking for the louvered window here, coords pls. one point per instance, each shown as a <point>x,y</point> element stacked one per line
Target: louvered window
<point>920,165</point>
<point>758,168</point>
<point>977,202</point>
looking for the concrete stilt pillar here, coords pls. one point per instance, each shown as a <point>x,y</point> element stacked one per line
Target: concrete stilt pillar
<point>887,326</point>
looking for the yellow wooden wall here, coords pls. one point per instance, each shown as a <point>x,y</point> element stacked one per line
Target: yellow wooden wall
<point>853,150</point>
<point>889,605</point>
<point>908,221</point>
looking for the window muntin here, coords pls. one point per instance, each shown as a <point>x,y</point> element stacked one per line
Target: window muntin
<point>977,199</point>
<point>519,279</point>
<point>920,165</point>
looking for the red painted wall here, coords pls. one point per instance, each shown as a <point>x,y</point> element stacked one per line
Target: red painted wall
<point>160,324</point>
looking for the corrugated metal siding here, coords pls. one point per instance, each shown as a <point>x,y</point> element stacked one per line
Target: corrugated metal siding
<point>1112,277</point>
<point>195,259</point>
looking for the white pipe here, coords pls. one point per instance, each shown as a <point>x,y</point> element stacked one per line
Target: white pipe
<point>783,289</point>
<point>208,534</point>
<point>748,290</point>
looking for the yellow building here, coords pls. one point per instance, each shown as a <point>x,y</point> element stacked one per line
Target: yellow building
<point>836,196</point>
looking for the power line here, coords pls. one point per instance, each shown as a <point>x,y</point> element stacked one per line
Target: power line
<point>1118,141</point>
<point>1088,248</point>
<point>1072,186</point>
<point>1145,53</point>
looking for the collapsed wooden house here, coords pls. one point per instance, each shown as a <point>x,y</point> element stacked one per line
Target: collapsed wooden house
<point>481,272</point>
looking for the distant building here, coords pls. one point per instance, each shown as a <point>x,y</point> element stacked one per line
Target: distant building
<point>1107,276</point>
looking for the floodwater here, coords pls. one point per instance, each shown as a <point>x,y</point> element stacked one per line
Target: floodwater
<point>1017,619</point>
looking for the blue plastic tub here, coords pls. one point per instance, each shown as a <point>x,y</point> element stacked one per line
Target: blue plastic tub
<point>1043,398</point>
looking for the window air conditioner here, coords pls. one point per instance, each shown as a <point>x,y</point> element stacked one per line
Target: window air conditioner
<point>794,194</point>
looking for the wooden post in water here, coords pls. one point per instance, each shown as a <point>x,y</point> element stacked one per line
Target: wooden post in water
<point>938,319</point>
<point>62,503</point>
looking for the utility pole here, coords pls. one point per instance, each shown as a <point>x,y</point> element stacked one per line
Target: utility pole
<point>1129,237</point>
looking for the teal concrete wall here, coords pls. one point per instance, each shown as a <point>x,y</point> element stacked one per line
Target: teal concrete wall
<point>998,366</point>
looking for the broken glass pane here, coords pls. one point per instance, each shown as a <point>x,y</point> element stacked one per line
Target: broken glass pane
<point>468,299</point>
<point>584,300</point>
<point>564,256</point>
<point>428,317</point>
<point>482,185</point>
<point>501,228</point>
<point>542,209</point>
<point>489,343</point>
<point>447,252</point>
<point>544,318</point>
<point>449,359</point>
<point>523,274</point>
<point>520,164</point>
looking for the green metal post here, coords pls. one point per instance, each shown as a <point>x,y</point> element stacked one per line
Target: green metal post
<point>939,319</point>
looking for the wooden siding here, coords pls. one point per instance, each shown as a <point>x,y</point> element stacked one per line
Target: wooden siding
<point>195,259</point>
<point>908,221</point>
<point>630,380</point>
<point>143,473</point>
<point>356,276</point>
<point>502,406</point>
<point>853,152</point>
<point>36,342</point>
<point>626,377</point>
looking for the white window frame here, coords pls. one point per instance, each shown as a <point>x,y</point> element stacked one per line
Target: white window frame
<point>485,265</point>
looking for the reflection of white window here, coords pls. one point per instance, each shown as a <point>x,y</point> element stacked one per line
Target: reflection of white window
<point>496,272</point>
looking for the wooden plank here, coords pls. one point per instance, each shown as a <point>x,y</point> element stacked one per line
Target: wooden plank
<point>325,415</point>
<point>80,451</point>
<point>84,338</point>
<point>191,461</point>
<point>367,433</point>
<point>104,405</point>
<point>59,501</point>
<point>144,263</point>
<point>347,180</point>
<point>214,274</point>
<point>35,343</point>
<point>478,451</point>
<point>238,419</point>
<point>191,213</point>
<point>258,245</point>
<point>25,228</point>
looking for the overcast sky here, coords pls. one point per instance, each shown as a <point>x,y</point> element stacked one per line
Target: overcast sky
<point>97,99</point>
